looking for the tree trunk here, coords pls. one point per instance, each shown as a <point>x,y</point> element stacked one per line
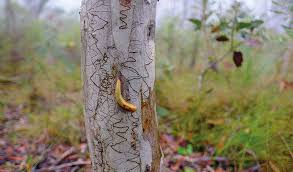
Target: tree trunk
<point>118,44</point>
<point>36,7</point>
<point>39,7</point>
<point>286,60</point>
<point>10,19</point>
<point>185,12</point>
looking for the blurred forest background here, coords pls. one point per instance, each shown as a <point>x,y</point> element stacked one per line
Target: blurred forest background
<point>224,86</point>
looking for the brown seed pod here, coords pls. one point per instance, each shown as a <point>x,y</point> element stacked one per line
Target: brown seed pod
<point>238,58</point>
<point>222,38</point>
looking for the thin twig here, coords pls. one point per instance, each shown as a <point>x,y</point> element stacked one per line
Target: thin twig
<point>4,80</point>
<point>253,154</point>
<point>286,144</point>
<point>65,154</point>
<point>201,159</point>
<point>210,169</point>
<point>75,169</point>
<point>254,168</point>
<point>42,158</point>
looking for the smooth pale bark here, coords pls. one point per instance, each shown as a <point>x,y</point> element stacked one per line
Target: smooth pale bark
<point>118,43</point>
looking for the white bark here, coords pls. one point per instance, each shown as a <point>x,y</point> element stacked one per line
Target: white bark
<point>118,43</point>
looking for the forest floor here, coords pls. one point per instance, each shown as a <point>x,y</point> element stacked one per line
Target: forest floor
<point>18,153</point>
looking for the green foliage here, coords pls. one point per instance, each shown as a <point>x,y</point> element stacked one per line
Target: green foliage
<point>162,112</point>
<point>197,23</point>
<point>176,45</point>
<point>63,125</point>
<point>284,8</point>
<point>52,100</point>
<point>249,25</point>
<point>239,110</point>
<point>188,150</point>
<point>289,31</point>
<point>188,169</point>
<point>253,113</point>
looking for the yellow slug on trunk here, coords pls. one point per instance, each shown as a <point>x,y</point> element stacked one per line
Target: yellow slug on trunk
<point>121,101</point>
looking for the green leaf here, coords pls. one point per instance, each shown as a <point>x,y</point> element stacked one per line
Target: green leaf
<point>181,151</point>
<point>189,149</point>
<point>197,23</point>
<point>278,12</point>
<point>249,25</point>
<point>256,23</point>
<point>277,3</point>
<point>224,25</point>
<point>188,169</point>
<point>243,25</point>
<point>185,151</point>
<point>291,8</point>
<point>162,112</point>
<point>289,31</point>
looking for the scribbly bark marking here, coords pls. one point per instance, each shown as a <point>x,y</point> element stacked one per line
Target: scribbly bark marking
<point>125,2</point>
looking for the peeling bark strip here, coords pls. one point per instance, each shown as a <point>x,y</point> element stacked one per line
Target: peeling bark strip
<point>150,129</point>
<point>118,43</point>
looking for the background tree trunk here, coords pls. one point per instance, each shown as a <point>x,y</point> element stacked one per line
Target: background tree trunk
<point>36,7</point>
<point>10,18</point>
<point>118,43</point>
<point>286,61</point>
